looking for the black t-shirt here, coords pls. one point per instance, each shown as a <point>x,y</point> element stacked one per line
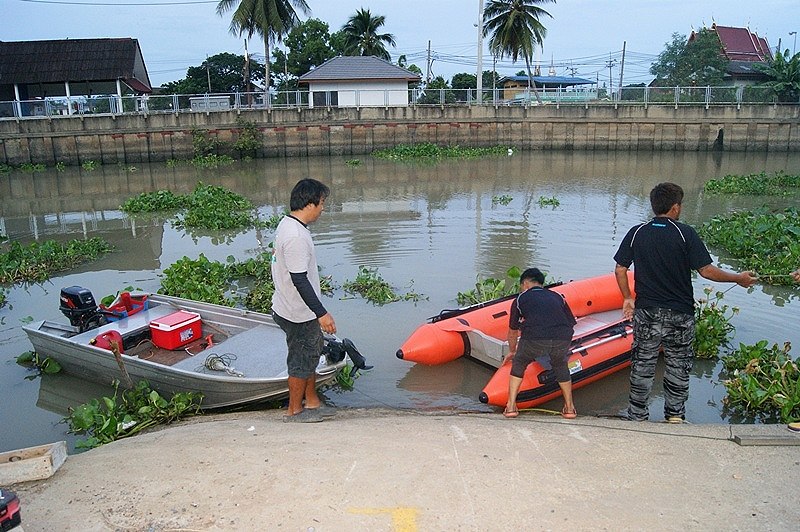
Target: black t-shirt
<point>541,314</point>
<point>664,253</point>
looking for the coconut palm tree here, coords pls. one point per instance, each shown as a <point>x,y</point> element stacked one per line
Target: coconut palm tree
<point>271,19</point>
<point>784,74</point>
<point>361,35</point>
<point>515,30</point>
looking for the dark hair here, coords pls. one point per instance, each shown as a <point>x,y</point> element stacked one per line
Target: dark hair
<point>532,274</point>
<point>306,192</point>
<point>664,196</point>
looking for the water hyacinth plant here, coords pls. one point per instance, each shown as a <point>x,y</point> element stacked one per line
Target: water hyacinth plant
<point>491,288</point>
<point>430,151</point>
<point>761,184</point>
<point>39,260</point>
<point>713,328</point>
<point>372,287</point>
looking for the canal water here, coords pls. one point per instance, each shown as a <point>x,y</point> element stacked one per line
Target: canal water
<point>432,229</point>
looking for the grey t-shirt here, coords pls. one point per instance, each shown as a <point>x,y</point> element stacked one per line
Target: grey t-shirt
<point>293,252</point>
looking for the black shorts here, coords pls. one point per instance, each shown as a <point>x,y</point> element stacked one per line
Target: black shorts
<point>305,342</point>
<point>530,350</point>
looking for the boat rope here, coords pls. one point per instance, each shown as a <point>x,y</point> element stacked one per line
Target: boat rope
<point>217,362</point>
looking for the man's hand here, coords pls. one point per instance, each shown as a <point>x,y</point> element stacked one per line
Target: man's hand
<point>747,279</point>
<point>796,275</point>
<point>628,306</point>
<point>327,324</point>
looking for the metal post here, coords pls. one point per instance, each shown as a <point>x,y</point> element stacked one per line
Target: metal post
<point>479,91</point>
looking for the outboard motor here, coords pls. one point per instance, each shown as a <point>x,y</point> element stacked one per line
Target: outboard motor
<point>335,350</point>
<point>78,304</point>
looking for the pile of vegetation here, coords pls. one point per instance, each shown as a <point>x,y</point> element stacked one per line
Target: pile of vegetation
<point>491,288</point>
<point>762,184</point>
<point>38,261</point>
<point>713,327</point>
<point>372,287</point>
<point>762,241</point>
<point>207,207</point>
<point>430,151</point>
<point>764,383</point>
<point>129,413</point>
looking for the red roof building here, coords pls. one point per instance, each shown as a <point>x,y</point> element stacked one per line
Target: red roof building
<point>743,49</point>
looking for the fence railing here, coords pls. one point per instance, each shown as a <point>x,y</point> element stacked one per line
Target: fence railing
<point>207,103</point>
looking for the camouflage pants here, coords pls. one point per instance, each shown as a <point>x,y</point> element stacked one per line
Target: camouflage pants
<point>655,328</point>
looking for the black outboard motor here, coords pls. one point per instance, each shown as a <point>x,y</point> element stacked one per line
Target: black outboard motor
<point>335,350</point>
<point>78,304</point>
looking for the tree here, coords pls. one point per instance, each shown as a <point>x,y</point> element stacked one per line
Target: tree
<point>308,45</point>
<point>784,73</point>
<point>516,30</point>
<point>433,92</point>
<point>462,83</point>
<point>361,35</point>
<point>271,19</point>
<point>225,72</point>
<point>698,62</point>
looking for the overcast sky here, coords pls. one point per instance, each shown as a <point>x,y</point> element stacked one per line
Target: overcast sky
<point>583,37</point>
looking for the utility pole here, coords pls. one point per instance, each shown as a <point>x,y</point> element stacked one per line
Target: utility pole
<point>622,68</point>
<point>480,51</point>
<point>208,75</point>
<point>428,74</point>
<point>610,64</point>
<point>794,45</point>
<point>247,74</point>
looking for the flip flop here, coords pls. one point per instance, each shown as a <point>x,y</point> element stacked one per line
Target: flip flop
<point>794,427</point>
<point>568,415</point>
<point>510,413</point>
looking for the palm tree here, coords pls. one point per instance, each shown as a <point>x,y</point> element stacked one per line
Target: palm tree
<point>271,19</point>
<point>516,30</point>
<point>361,35</point>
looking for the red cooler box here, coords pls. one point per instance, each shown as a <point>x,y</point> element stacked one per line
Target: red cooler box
<point>175,330</point>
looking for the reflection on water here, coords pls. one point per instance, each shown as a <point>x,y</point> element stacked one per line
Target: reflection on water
<point>433,229</point>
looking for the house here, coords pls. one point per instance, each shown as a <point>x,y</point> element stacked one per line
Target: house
<point>744,49</point>
<point>71,70</point>
<point>515,87</point>
<point>358,81</point>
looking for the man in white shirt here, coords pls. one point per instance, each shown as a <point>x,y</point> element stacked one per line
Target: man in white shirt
<point>296,304</point>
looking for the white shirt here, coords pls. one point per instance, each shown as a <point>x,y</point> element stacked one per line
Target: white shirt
<point>293,252</point>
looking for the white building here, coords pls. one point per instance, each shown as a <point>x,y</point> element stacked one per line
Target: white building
<point>358,81</point>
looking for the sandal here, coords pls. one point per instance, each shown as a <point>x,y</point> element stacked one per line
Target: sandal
<point>510,413</point>
<point>568,414</point>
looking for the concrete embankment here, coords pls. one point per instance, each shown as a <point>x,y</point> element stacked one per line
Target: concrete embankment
<point>301,132</point>
<point>390,470</point>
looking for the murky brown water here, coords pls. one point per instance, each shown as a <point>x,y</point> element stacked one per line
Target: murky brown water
<point>430,229</point>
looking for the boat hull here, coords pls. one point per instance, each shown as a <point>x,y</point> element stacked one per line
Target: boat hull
<point>442,340</point>
<point>257,343</point>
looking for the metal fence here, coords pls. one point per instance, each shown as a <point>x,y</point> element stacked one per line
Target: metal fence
<point>207,103</point>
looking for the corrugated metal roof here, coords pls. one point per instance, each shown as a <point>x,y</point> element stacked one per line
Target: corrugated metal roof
<point>562,81</point>
<point>72,60</point>
<point>350,68</point>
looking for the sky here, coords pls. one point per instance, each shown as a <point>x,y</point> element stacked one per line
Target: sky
<point>585,38</point>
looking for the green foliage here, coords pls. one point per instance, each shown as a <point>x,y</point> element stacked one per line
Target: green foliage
<point>60,166</point>
<point>203,143</point>
<point>199,280</point>
<point>353,162</point>
<point>372,287</point>
<point>515,28</point>
<point>212,160</point>
<point>505,199</point>
<point>490,288</point>
<point>4,168</point>
<point>762,241</point>
<point>437,91</point>
<point>213,207</point>
<point>346,377</point>
<point>761,184</point>
<point>250,139</point>
<point>2,297</point>
<point>308,45</point>
<point>225,72</point>
<point>160,200</point>
<point>685,64</point>
<point>90,166</point>
<point>764,383</point>
<point>784,74</point>
<point>548,202</point>
<point>360,35</point>
<point>135,410</point>
<point>428,150</point>
<point>713,328</point>
<point>42,365</point>
<point>32,167</point>
<point>37,261</point>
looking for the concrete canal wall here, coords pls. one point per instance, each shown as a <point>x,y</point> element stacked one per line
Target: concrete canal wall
<point>350,131</point>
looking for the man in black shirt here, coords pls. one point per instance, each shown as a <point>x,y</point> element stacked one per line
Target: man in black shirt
<point>664,252</point>
<point>540,324</point>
